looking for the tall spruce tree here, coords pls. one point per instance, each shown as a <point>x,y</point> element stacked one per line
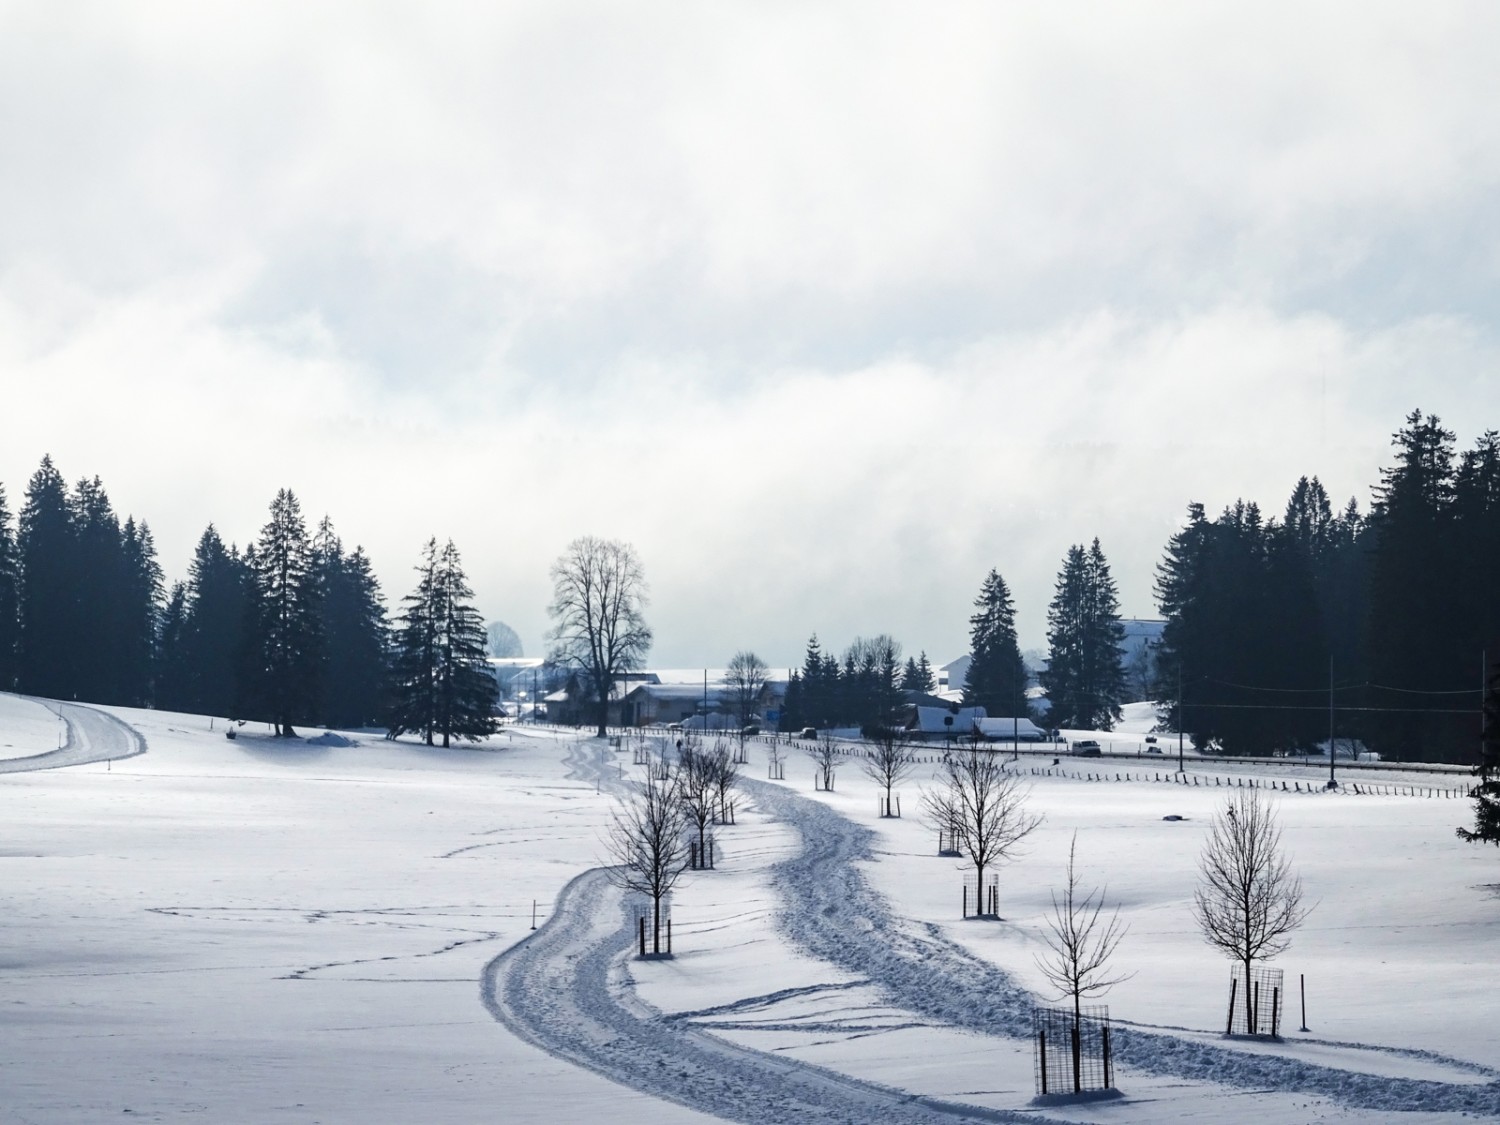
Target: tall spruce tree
<point>1085,676</point>
<point>443,684</point>
<point>285,638</point>
<point>1416,602</point>
<point>96,572</point>
<point>138,614</point>
<point>996,679</point>
<point>213,632</point>
<point>10,623</point>
<point>1486,794</point>
<point>173,681</point>
<point>354,634</point>
<point>50,631</point>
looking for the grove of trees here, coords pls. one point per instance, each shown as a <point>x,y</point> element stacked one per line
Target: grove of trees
<point>1385,619</point>
<point>292,630</point>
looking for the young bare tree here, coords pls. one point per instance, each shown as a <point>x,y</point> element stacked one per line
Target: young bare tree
<point>890,760</point>
<point>1248,901</point>
<point>726,773</point>
<point>982,805</point>
<point>1081,939</point>
<point>825,756</point>
<point>647,841</point>
<point>696,784</point>
<point>598,594</point>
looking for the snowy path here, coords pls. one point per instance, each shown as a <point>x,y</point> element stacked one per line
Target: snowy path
<point>833,914</point>
<point>93,736</point>
<point>564,990</point>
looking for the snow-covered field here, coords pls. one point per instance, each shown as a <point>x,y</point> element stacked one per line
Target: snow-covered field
<point>254,931</point>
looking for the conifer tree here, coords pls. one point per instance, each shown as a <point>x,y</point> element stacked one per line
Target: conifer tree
<point>354,631</point>
<point>96,572</point>
<point>173,682</point>
<point>139,613</point>
<point>996,679</point>
<point>1085,676</point>
<point>213,632</point>
<point>443,684</point>
<point>286,643</point>
<point>49,624</point>
<point>1486,794</point>
<point>10,624</point>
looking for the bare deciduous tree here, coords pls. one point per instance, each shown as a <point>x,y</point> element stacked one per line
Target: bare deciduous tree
<point>744,684</point>
<point>697,789</point>
<point>825,756</point>
<point>598,594</point>
<point>1247,902</point>
<point>889,760</point>
<point>982,805</point>
<point>647,843</point>
<point>725,773</point>
<point>1081,940</point>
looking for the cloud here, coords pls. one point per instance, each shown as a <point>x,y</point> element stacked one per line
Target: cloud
<point>829,310</point>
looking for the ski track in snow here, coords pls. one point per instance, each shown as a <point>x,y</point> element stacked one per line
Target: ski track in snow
<point>833,914</point>
<point>562,990</point>
<point>93,736</point>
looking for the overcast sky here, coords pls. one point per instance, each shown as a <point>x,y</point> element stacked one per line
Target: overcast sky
<point>828,309</point>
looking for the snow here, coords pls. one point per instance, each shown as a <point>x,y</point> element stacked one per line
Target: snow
<point>338,929</point>
<point>27,727</point>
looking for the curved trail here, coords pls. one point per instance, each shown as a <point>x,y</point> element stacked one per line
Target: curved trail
<point>562,990</point>
<point>93,736</point>
<point>833,914</point>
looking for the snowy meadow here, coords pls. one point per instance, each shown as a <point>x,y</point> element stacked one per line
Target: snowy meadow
<point>341,930</point>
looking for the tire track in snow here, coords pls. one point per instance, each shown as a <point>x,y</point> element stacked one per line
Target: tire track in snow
<point>833,914</point>
<point>563,990</point>
<point>93,736</point>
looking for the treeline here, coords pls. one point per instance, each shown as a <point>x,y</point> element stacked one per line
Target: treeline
<point>1376,627</point>
<point>292,630</point>
<point>864,688</point>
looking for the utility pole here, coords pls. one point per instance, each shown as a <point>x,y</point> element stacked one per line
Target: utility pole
<point>1332,746</point>
<point>1181,719</point>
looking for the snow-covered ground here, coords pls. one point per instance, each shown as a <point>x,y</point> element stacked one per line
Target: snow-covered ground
<point>255,931</point>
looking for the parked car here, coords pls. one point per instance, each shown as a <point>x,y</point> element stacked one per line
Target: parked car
<point>808,732</point>
<point>1087,748</point>
<point>1153,749</point>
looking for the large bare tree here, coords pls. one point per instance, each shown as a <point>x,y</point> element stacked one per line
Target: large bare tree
<point>744,684</point>
<point>598,594</point>
<point>982,805</point>
<point>648,842</point>
<point>1248,901</point>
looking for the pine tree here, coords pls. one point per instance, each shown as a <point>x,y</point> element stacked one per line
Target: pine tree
<point>138,614</point>
<point>49,632</point>
<point>173,683</point>
<point>10,624</point>
<point>1415,602</point>
<point>286,641</point>
<point>996,679</point>
<point>1486,794</point>
<point>355,634</point>
<point>213,632</point>
<point>443,682</point>
<point>1085,676</point>
<point>96,574</point>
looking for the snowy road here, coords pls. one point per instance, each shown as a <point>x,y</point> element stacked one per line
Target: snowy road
<point>564,990</point>
<point>93,736</point>
<point>833,914</point>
